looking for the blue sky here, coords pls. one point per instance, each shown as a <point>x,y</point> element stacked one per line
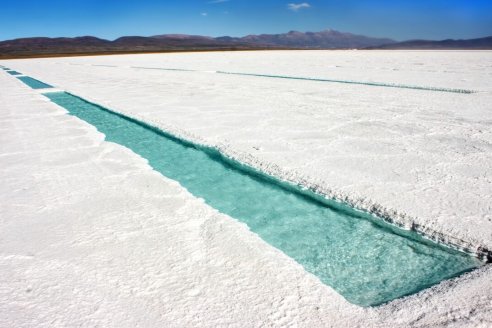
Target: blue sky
<point>398,19</point>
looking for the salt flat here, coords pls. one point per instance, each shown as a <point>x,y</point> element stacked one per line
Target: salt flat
<point>421,158</point>
<point>72,257</point>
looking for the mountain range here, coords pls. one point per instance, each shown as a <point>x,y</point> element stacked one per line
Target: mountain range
<point>327,39</point>
<point>449,44</point>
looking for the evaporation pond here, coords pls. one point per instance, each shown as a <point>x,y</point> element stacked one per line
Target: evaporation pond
<point>365,260</point>
<point>33,83</point>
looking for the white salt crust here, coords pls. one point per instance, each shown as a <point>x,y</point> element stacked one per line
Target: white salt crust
<point>419,159</point>
<point>92,236</point>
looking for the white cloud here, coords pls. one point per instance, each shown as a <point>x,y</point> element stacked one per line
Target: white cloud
<point>218,1</point>
<point>204,14</point>
<point>298,6</point>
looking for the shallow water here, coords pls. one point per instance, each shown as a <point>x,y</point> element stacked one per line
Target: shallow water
<point>362,258</point>
<point>33,83</point>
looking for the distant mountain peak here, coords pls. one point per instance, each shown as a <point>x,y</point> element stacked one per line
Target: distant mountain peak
<point>326,39</point>
<point>180,36</point>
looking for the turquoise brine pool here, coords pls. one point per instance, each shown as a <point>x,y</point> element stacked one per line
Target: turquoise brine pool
<point>33,83</point>
<point>364,259</point>
<point>14,73</point>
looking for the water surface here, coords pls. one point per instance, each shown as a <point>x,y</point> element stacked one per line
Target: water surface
<point>13,72</point>
<point>362,258</point>
<point>33,83</point>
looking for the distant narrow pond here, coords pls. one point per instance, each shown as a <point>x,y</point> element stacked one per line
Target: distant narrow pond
<point>364,259</point>
<point>14,73</point>
<point>33,83</point>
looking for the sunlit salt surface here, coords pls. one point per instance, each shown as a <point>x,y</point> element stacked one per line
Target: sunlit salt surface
<point>362,258</point>
<point>287,77</point>
<point>33,83</point>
